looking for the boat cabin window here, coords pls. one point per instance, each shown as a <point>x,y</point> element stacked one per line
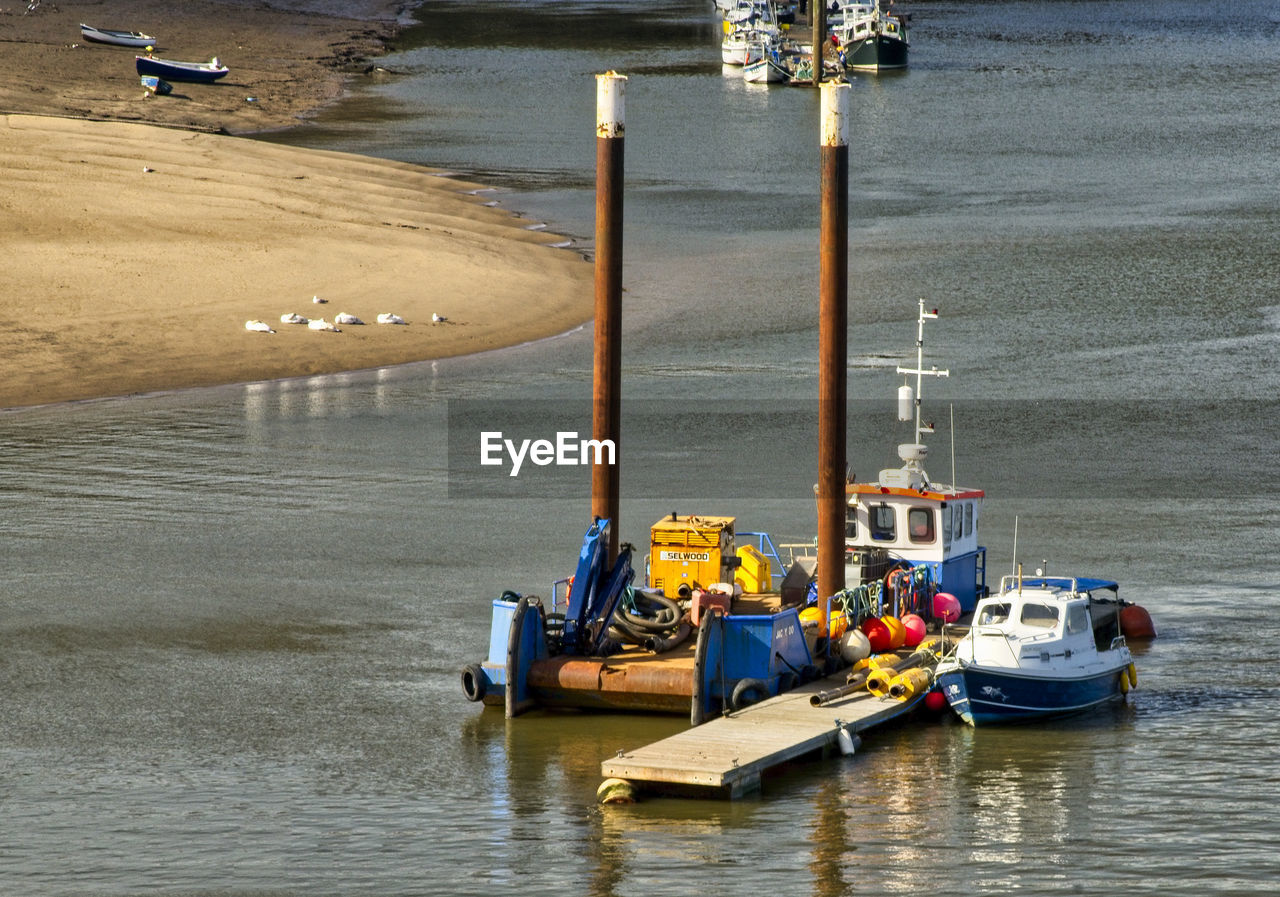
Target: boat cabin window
<point>946,526</point>
<point>968,518</point>
<point>920,525</point>
<point>851,524</point>
<point>882,523</point>
<point>992,614</point>
<point>1077,619</point>
<point>1040,615</point>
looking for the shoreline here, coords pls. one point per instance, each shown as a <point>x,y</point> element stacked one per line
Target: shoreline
<point>141,248</point>
<point>291,58</point>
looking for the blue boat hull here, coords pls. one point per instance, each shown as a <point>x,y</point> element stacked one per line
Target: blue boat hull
<point>984,697</point>
<point>162,69</point>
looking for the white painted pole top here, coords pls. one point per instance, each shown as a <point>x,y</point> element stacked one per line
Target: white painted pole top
<point>835,113</point>
<point>611,91</point>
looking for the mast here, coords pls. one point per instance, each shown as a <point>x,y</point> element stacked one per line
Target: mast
<point>920,372</point>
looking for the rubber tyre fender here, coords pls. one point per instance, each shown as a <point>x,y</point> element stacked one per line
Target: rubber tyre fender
<point>748,692</point>
<point>474,682</point>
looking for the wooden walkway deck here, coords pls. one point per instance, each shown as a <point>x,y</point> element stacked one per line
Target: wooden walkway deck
<point>727,756</point>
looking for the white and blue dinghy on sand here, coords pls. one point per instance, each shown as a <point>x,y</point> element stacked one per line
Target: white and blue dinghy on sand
<point>1041,647</point>
<point>115,37</point>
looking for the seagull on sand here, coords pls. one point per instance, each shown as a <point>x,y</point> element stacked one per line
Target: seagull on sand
<point>343,318</point>
<point>438,319</point>
<point>388,318</point>
<point>322,324</point>
<point>318,301</point>
<point>258,326</point>
<point>292,318</point>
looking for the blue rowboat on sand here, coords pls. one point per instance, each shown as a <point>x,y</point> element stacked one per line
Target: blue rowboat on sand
<point>158,86</point>
<point>171,70</point>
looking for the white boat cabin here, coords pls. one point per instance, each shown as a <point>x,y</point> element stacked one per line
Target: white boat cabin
<point>907,517</point>
<point>1061,624</point>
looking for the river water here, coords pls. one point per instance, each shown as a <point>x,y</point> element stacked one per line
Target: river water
<point>233,619</point>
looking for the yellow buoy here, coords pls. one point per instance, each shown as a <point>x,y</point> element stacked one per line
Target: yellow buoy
<point>1124,682</point>
<point>875,662</point>
<point>1133,676</point>
<point>811,617</point>
<point>616,791</point>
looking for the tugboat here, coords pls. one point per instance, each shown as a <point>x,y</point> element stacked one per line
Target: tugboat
<point>707,634</point>
<point>1041,647</point>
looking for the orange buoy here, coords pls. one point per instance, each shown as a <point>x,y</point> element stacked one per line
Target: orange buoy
<point>877,634</point>
<point>1136,623</point>
<point>839,622</point>
<point>915,629</point>
<point>897,632</point>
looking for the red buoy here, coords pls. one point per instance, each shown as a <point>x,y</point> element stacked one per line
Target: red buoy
<point>946,607</point>
<point>935,700</point>
<point>915,630</point>
<point>877,634</point>
<point>1135,622</point>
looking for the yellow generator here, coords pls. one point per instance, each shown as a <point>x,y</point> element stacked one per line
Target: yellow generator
<point>690,552</point>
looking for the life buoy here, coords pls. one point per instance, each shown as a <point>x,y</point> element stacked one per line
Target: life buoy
<point>895,575</point>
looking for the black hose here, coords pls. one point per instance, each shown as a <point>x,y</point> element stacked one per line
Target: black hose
<point>659,645</point>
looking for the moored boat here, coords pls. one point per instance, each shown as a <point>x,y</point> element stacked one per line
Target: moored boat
<point>118,38</point>
<point>720,620</point>
<point>155,85</point>
<point>765,63</point>
<point>750,23</point>
<point>1042,647</point>
<point>690,641</point>
<point>172,70</point>
<point>871,39</point>
<point>904,518</point>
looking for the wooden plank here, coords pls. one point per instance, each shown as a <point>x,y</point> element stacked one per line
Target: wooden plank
<point>732,752</point>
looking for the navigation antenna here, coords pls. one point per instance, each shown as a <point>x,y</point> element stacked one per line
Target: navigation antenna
<point>905,397</point>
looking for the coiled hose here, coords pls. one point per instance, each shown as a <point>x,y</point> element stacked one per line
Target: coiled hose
<point>649,619</point>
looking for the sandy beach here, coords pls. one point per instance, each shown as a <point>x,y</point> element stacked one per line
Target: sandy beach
<point>141,240</point>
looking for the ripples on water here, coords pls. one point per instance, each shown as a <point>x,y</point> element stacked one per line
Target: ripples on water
<point>233,618</point>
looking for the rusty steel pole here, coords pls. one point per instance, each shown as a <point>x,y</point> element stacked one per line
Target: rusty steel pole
<point>606,412</point>
<point>819,15</point>
<point>833,340</point>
